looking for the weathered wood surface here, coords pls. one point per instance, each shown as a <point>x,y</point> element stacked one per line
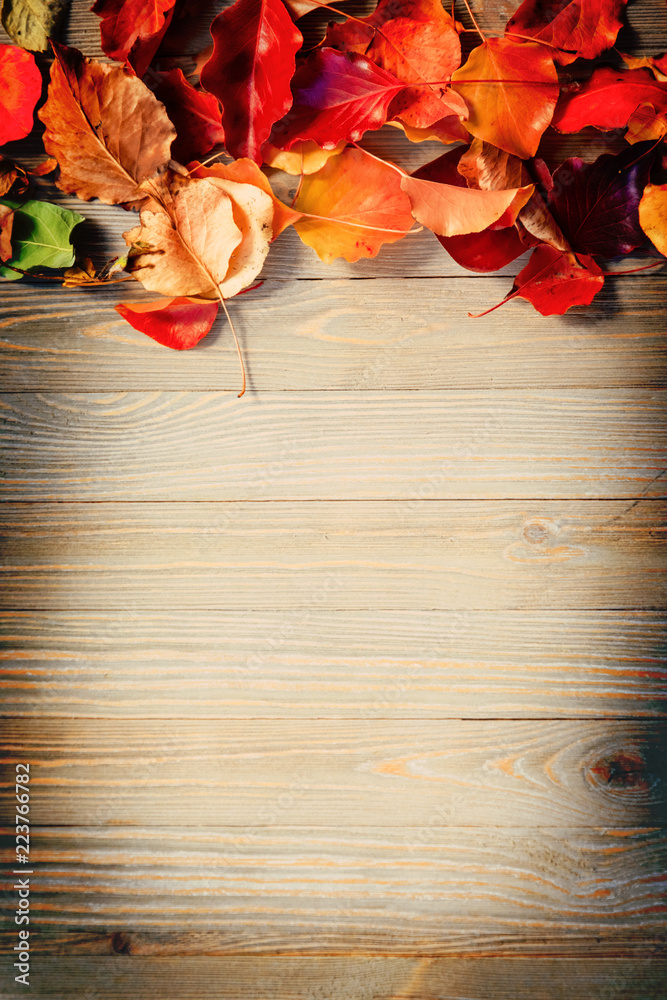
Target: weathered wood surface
<point>334,773</point>
<point>410,555</point>
<point>354,665</point>
<point>343,978</point>
<point>310,335</point>
<point>305,709</point>
<point>424,890</point>
<point>445,445</point>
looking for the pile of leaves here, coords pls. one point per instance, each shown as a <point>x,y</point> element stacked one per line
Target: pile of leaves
<point>141,136</point>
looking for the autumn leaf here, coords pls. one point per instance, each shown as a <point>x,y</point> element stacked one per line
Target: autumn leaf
<point>653,215</point>
<point>31,23</point>
<point>446,130</point>
<point>352,207</point>
<point>554,282</point>
<point>646,124</point>
<point>488,168</point>
<point>105,128</point>
<point>608,99</point>
<point>336,96</point>
<point>416,41</point>
<point>656,64</point>
<point>253,61</point>
<point>41,237</point>
<point>511,89</point>
<point>132,30</point>
<point>245,171</point>
<point>302,158</point>
<point>493,247</point>
<point>446,205</point>
<point>21,89</point>
<point>210,237</point>
<point>596,204</point>
<point>6,222</point>
<point>299,8</point>
<point>178,323</point>
<point>578,29</point>
<point>195,115</point>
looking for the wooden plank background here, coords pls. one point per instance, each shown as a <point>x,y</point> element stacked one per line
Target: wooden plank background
<point>354,687</point>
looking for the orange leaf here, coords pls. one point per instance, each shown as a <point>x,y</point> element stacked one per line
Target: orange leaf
<point>359,207</point>
<point>105,128</point>
<point>246,171</point>
<point>304,157</point>
<point>202,240</point>
<point>653,215</point>
<point>450,210</point>
<point>21,89</point>
<point>511,89</point>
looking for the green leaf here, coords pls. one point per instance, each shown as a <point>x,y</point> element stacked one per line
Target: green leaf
<point>41,237</point>
<point>30,23</point>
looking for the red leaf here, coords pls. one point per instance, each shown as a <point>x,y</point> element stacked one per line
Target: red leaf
<point>584,28</point>
<point>132,30</point>
<point>176,323</point>
<point>608,99</point>
<point>416,41</point>
<point>336,96</point>
<point>255,43</point>
<point>195,115</point>
<point>21,89</point>
<point>553,282</point>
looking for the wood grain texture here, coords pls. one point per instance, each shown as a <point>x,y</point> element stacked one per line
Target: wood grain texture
<point>411,555</point>
<point>366,445</point>
<point>351,665</point>
<point>414,890</point>
<point>373,978</point>
<point>326,772</point>
<point>341,335</point>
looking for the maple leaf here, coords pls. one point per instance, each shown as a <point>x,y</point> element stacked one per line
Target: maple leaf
<point>21,89</point>
<point>352,207</point>
<point>608,99</point>
<point>245,171</point>
<point>195,115</point>
<point>511,89</point>
<point>416,41</point>
<point>178,323</point>
<point>207,237</point>
<point>30,23</point>
<point>337,95</point>
<point>41,237</point>
<point>105,128</point>
<point>596,204</point>
<point>578,29</point>
<point>553,281</point>
<point>443,202</point>
<point>132,30</point>
<point>253,61</point>
<point>653,215</point>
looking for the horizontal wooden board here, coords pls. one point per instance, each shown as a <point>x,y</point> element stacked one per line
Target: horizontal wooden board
<point>372,978</point>
<point>412,554</point>
<point>341,335</point>
<point>343,446</point>
<point>359,665</point>
<point>423,890</point>
<point>326,772</point>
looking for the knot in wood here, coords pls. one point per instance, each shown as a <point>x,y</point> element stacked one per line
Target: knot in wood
<point>625,769</point>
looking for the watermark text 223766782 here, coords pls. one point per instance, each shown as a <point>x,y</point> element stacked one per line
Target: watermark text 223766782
<point>22,887</point>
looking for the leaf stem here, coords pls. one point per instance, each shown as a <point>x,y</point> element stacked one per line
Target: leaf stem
<point>472,18</point>
<point>236,341</point>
